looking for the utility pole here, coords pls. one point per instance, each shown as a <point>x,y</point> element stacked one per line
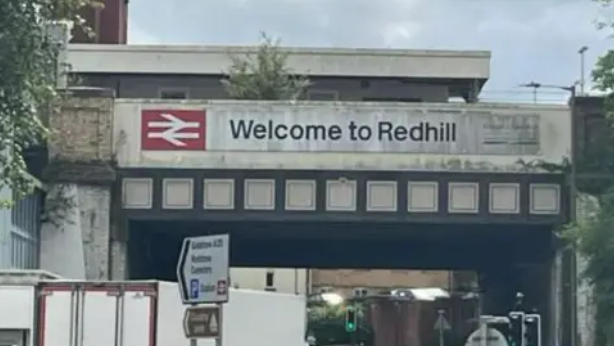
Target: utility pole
<point>534,86</point>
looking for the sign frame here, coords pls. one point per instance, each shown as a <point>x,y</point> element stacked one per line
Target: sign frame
<point>218,270</point>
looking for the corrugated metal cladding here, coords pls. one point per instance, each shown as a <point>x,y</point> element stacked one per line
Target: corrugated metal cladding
<point>20,232</point>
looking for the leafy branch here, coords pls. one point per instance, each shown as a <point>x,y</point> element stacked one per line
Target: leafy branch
<point>28,65</point>
<point>264,74</point>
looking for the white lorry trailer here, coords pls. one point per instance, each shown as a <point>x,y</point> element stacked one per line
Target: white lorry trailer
<point>138,313</point>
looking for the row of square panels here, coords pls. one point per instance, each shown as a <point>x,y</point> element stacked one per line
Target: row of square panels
<point>341,196</point>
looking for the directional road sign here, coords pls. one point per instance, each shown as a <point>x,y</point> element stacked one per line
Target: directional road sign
<point>203,271</point>
<point>202,322</point>
<point>172,129</point>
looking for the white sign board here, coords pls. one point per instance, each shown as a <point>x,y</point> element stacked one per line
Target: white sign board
<point>384,130</point>
<point>203,269</point>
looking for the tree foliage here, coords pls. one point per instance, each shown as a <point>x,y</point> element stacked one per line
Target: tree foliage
<point>27,79</point>
<point>593,233</point>
<point>264,74</point>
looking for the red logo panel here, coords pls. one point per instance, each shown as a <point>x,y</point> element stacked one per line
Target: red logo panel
<point>172,129</point>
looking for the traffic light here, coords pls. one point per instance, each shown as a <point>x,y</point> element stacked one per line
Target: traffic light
<point>350,319</point>
<point>516,330</point>
<point>532,330</point>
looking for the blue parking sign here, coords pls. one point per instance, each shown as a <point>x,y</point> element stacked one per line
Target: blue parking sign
<point>194,289</point>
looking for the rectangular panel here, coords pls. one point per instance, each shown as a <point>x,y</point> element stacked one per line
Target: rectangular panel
<point>463,198</point>
<point>545,198</point>
<point>177,193</point>
<point>56,313</point>
<point>384,130</point>
<point>423,196</point>
<point>137,193</point>
<point>218,194</point>
<point>300,195</point>
<point>382,196</point>
<point>137,317</point>
<point>17,303</point>
<point>341,195</point>
<point>504,198</point>
<point>99,330</point>
<point>259,194</point>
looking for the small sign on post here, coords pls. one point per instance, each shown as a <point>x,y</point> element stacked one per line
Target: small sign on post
<point>202,322</point>
<point>203,271</point>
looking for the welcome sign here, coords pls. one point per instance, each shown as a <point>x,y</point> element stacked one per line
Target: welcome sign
<point>385,131</point>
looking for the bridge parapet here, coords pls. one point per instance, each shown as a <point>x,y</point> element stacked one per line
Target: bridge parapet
<point>341,135</point>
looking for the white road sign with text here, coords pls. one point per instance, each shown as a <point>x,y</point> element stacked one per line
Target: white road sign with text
<point>203,271</point>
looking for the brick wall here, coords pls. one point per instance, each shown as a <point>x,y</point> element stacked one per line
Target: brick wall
<point>82,130</point>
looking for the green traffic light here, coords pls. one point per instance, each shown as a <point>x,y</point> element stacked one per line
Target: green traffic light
<point>350,320</point>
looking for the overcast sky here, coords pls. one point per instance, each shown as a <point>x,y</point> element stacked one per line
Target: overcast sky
<point>529,39</point>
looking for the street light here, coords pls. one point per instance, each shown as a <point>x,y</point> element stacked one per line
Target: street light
<point>573,194</point>
<point>582,52</point>
<point>332,298</point>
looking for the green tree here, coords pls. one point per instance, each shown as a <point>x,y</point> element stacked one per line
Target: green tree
<point>27,80</point>
<point>264,74</point>
<point>593,233</point>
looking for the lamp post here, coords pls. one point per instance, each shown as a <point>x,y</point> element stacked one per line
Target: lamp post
<point>573,195</point>
<point>582,52</point>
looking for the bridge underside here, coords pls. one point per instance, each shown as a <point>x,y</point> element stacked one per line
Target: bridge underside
<point>356,244</point>
<point>500,225</point>
<point>509,258</point>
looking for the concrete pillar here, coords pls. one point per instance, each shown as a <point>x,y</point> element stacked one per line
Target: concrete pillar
<point>77,235</point>
<point>74,242</point>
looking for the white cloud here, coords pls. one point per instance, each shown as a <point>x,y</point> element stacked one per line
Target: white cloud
<point>530,40</point>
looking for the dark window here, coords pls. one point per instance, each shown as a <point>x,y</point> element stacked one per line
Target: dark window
<point>173,94</point>
<point>270,279</point>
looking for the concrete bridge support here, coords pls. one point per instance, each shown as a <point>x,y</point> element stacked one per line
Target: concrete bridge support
<point>78,235</point>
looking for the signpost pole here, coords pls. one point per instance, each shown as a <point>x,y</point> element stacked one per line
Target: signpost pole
<point>218,340</point>
<point>441,326</point>
<point>441,338</point>
<point>193,341</point>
